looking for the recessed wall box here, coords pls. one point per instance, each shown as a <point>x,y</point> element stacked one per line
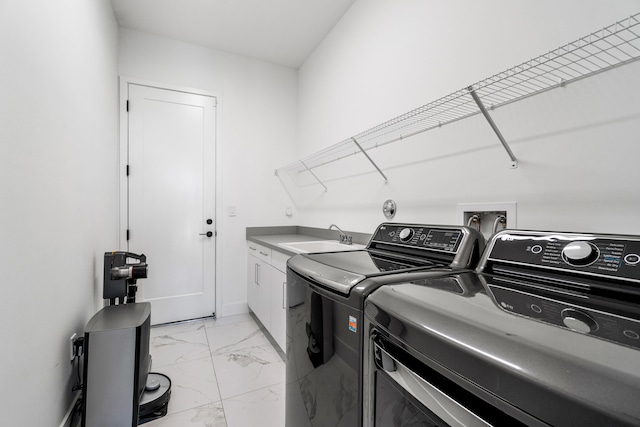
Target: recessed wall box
<point>485,217</point>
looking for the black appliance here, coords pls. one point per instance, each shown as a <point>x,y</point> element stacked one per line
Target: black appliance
<point>120,276</point>
<point>325,295</point>
<point>118,388</point>
<point>547,333</point>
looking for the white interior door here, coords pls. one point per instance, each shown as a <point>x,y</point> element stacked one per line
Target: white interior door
<point>171,199</point>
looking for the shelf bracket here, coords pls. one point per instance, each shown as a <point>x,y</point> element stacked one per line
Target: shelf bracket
<point>485,113</point>
<point>369,158</point>
<point>314,175</point>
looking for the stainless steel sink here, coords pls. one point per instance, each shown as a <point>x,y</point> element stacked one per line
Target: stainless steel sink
<point>319,246</point>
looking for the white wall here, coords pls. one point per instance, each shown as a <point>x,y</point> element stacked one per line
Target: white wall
<point>258,133</point>
<point>58,193</point>
<point>577,145</point>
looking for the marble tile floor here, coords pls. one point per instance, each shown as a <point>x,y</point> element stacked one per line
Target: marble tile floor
<point>224,372</point>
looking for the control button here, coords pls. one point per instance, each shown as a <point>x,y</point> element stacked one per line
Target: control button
<point>580,253</point>
<point>631,334</point>
<point>536,249</point>
<point>406,234</point>
<point>632,259</point>
<point>536,308</point>
<point>578,321</point>
<point>152,385</point>
<point>506,306</point>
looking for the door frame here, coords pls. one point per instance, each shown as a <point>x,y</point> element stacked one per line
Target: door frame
<point>123,140</point>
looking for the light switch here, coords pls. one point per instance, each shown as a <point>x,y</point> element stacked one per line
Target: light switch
<point>231,210</point>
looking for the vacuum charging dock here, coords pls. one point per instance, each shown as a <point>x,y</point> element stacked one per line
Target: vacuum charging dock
<point>155,398</point>
<point>118,387</point>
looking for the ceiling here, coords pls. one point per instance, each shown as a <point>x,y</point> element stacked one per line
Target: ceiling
<point>284,32</point>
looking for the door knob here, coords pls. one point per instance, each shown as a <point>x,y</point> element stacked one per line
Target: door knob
<point>208,234</point>
<point>209,221</point>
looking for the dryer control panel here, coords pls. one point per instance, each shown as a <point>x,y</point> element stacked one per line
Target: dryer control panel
<point>616,257</point>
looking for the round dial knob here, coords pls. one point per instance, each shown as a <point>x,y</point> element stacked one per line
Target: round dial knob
<point>406,234</point>
<point>580,253</point>
<point>578,321</point>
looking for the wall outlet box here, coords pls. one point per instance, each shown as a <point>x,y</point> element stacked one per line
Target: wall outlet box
<point>487,213</point>
<point>72,341</point>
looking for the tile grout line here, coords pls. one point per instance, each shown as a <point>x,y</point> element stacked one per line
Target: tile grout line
<point>224,402</point>
<point>266,345</point>
<point>253,391</point>
<point>224,412</point>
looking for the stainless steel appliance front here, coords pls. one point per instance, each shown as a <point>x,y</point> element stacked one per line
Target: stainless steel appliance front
<point>325,294</point>
<point>404,397</point>
<point>547,332</point>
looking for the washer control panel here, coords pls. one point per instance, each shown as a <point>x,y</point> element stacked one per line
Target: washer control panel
<point>577,318</point>
<point>445,239</point>
<point>601,255</point>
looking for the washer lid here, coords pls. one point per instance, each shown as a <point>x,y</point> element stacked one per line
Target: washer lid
<point>333,278</point>
<point>368,262</point>
<point>340,271</point>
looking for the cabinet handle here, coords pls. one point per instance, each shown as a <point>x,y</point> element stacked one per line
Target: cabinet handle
<point>284,294</point>
<point>253,249</point>
<point>262,253</point>
<point>257,272</point>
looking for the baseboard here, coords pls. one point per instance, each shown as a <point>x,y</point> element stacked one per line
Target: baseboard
<point>233,309</point>
<point>66,420</point>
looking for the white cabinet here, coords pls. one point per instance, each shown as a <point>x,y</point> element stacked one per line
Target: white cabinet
<point>277,282</point>
<point>266,289</point>
<point>252,282</point>
<point>258,296</point>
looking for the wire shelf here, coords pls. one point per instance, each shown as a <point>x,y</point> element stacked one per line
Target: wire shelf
<point>613,46</point>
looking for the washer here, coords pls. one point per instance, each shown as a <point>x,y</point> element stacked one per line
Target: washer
<point>325,296</point>
<point>546,333</point>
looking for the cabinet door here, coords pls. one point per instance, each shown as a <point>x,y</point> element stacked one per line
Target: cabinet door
<point>252,282</point>
<point>258,290</point>
<point>278,285</point>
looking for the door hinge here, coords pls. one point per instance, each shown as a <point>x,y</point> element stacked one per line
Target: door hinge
<point>127,170</point>
<point>128,234</point>
<point>127,105</point>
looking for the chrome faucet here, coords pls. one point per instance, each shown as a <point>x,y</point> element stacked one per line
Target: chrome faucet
<point>347,240</point>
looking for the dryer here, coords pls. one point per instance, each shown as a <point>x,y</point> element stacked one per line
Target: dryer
<point>546,333</point>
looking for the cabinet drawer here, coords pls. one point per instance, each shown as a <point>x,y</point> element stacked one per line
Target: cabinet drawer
<point>259,251</point>
<point>279,260</point>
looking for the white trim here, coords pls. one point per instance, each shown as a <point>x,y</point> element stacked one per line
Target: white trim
<point>67,417</point>
<point>168,86</point>
<point>231,309</point>
<point>219,204</point>
<point>123,125</point>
